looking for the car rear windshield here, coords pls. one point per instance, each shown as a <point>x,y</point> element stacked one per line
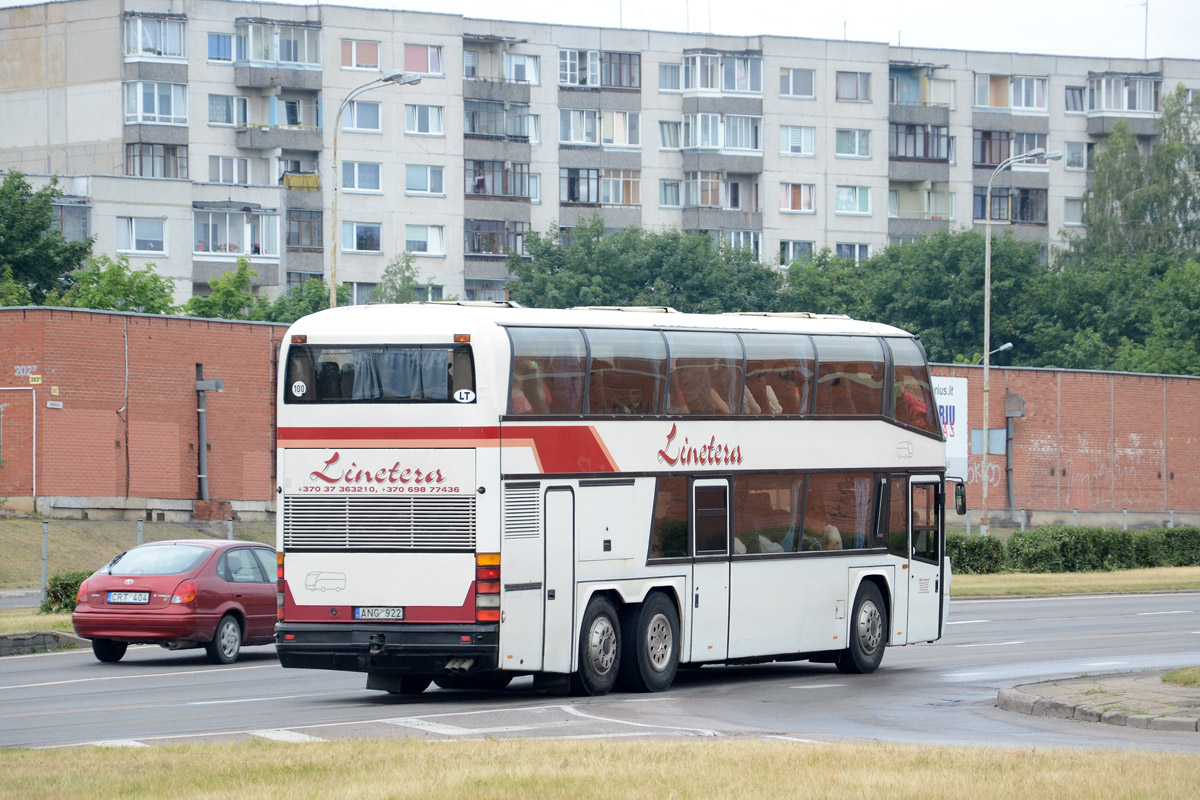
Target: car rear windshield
<point>158,560</point>
<point>379,374</point>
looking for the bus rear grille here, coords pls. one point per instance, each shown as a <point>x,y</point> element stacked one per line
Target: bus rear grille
<point>379,523</point>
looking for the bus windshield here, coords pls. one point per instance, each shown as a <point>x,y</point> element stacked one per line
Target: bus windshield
<point>379,374</point>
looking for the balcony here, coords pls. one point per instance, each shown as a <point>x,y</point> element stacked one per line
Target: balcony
<point>264,136</point>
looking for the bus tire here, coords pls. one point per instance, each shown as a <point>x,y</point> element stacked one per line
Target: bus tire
<point>650,650</point>
<point>868,632</point>
<point>599,649</point>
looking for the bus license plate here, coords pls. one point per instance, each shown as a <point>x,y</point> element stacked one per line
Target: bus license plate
<point>136,598</point>
<point>379,612</point>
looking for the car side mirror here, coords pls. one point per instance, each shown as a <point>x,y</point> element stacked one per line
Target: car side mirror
<point>960,498</point>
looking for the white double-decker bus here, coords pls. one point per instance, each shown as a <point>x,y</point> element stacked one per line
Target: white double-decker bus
<point>471,492</point>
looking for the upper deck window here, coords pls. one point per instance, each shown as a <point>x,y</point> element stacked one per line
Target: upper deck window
<point>849,375</point>
<point>378,373</point>
<point>912,387</point>
<point>548,369</point>
<point>627,372</point>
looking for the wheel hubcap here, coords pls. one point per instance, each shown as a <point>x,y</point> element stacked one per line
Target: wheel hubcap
<point>229,639</point>
<point>870,627</point>
<point>602,645</point>
<point>659,647</point>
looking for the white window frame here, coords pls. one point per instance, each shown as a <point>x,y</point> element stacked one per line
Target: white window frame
<point>578,67</point>
<point>208,40</point>
<point>229,169</point>
<point>620,187</point>
<point>1070,149</point>
<point>1067,201</point>
<point>238,109</point>
<point>308,48</point>
<point>860,199</point>
<point>434,120</point>
<point>142,33</point>
<point>136,114</point>
<point>861,141</point>
<point>1023,142</point>
<point>621,129</point>
<point>353,173</point>
<point>663,190</point>
<point>1025,87</point>
<point>350,236</point>
<point>862,87</point>
<point>531,64</point>
<point>350,116</point>
<point>787,81</point>
<point>580,126</point>
<point>861,251</point>
<point>702,72</point>
<point>1082,99</point>
<point>665,70</point>
<point>354,64</point>
<point>808,198</point>
<point>257,231</point>
<point>799,141</point>
<point>429,170</point>
<point>128,234</point>
<point>470,64</point>
<point>701,132</point>
<point>739,240</point>
<point>746,72</point>
<point>793,250</point>
<point>433,65</point>
<point>669,134</point>
<point>434,239</point>
<point>753,129</point>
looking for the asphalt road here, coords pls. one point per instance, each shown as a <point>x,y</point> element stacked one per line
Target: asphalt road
<point>942,693</point>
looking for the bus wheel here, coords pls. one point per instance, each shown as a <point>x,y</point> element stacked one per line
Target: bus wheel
<point>868,632</point>
<point>599,649</point>
<point>650,650</point>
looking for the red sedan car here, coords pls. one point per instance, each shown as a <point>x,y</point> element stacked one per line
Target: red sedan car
<point>180,594</point>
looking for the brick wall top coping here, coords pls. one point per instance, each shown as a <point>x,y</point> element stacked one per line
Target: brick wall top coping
<point>168,317</point>
<point>1067,369</point>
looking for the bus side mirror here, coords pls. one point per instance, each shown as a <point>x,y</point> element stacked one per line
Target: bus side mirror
<point>960,498</point>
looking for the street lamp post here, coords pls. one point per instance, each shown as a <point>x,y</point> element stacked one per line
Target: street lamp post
<point>398,77</point>
<point>1032,155</point>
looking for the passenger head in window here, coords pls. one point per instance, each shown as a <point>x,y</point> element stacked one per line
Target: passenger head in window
<point>832,539</point>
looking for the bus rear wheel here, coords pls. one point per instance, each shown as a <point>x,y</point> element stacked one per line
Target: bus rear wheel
<point>868,632</point>
<point>650,650</point>
<point>599,649</point>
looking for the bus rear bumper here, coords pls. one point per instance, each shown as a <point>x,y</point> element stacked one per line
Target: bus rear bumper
<point>400,649</point>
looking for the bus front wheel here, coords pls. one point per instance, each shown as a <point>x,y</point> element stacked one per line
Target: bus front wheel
<point>868,632</point>
<point>650,651</point>
<point>599,649</point>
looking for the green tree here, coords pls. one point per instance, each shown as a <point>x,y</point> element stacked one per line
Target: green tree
<point>399,281</point>
<point>307,298</point>
<point>103,283</point>
<point>11,292</point>
<point>231,297</point>
<point>32,253</point>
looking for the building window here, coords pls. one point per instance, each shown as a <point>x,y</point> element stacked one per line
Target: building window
<point>702,72</point>
<point>423,120</point>
<point>621,128</point>
<point>483,118</point>
<point>579,67</point>
<point>576,185</point>
<point>702,190</point>
<point>1029,205</point>
<point>743,74</point>
<point>423,59</point>
<point>1124,93</point>
<point>702,130</point>
<point>798,197</point>
<point>424,240</point>
<point>494,237</point>
<point>521,68</point>
<point>621,70</point>
<point>1000,203</point>
<point>484,177</point>
<point>578,126</point>
<point>470,64</point>
<point>361,116</point>
<point>226,169</point>
<point>797,140</point>
<point>360,176</point>
<point>743,133</point>
<point>1078,155</point>
<point>919,142</point>
<point>362,293</point>
<point>668,194</point>
<point>156,160</point>
<point>423,179</point>
<point>1073,211</point>
<point>1029,93</point>
<point>853,143</point>
<point>668,134</point>
<point>304,231</point>
<point>991,91</point>
<point>141,235</point>
<point>220,47</point>
<point>147,36</point>
<point>70,220</point>
<point>225,109</point>
<point>857,252</point>
<point>749,240</point>
<point>361,237</point>
<point>156,103</point>
<point>235,233</point>
<point>300,45</point>
<point>668,77</point>
<point>360,55</point>
<point>854,86</point>
<point>621,187</point>
<point>790,251</point>
<point>990,148</point>
<point>1075,99</point>
<point>256,42</point>
<point>1025,142</point>
<point>523,125</point>
<point>796,82</point>
<point>731,195</point>
<point>853,200</point>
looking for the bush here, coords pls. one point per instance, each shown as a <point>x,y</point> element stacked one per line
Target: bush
<point>61,591</point>
<point>1060,548</point>
<point>975,555</point>
<point>1184,546</point>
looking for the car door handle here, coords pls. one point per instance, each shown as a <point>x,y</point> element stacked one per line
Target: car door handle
<point>549,594</point>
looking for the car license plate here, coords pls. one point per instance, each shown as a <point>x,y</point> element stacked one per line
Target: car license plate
<point>129,597</point>
<point>378,612</point>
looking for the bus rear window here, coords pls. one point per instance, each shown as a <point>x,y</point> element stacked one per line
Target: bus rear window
<point>379,374</point>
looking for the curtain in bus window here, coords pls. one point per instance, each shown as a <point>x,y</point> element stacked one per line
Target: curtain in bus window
<point>416,374</point>
<point>706,373</point>
<point>766,513</point>
<point>779,370</point>
<point>548,368</point>
<point>912,389</point>
<point>833,516</point>
<point>849,375</point>
<point>627,371</point>
<point>897,516</point>
<point>376,374</point>
<point>669,532</point>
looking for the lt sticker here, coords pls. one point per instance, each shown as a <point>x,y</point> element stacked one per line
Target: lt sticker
<point>464,396</point>
<point>299,388</point>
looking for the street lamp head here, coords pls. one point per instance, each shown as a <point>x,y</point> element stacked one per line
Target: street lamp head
<point>1003,347</point>
<point>1054,155</point>
<point>399,76</point>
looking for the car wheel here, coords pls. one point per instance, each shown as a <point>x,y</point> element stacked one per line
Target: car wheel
<point>226,642</point>
<point>109,650</point>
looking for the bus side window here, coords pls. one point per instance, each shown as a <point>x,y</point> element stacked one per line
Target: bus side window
<point>300,370</point>
<point>849,375</point>
<point>779,370</point>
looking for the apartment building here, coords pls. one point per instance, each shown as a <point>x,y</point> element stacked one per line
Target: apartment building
<point>188,133</point>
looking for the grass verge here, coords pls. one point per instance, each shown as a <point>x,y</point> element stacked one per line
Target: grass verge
<point>595,769</point>
<point>1189,677</point>
<point>1028,583</point>
<point>28,620</point>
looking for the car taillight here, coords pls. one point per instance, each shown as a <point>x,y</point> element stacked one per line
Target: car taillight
<point>185,593</point>
<point>487,587</point>
<point>81,593</point>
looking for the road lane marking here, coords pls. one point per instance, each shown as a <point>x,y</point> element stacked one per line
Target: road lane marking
<point>968,621</point>
<point>793,739</point>
<point>1161,613</point>
<point>987,644</point>
<point>961,675</point>
<point>597,718</point>
<point>120,743</point>
<point>137,676</point>
<point>281,735</point>
<point>454,730</point>
<point>819,686</point>
<point>1104,663</point>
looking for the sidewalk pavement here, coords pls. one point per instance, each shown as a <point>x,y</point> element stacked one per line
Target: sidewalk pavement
<point>1134,699</point>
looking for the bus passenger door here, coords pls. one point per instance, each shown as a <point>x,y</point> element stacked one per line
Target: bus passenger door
<point>559,586</point>
<point>709,606</point>
<point>925,580</point>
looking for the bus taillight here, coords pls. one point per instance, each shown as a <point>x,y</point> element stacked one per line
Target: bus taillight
<point>279,586</point>
<point>487,587</point>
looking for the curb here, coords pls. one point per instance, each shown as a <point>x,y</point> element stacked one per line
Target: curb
<point>1024,703</point>
<point>14,644</point>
